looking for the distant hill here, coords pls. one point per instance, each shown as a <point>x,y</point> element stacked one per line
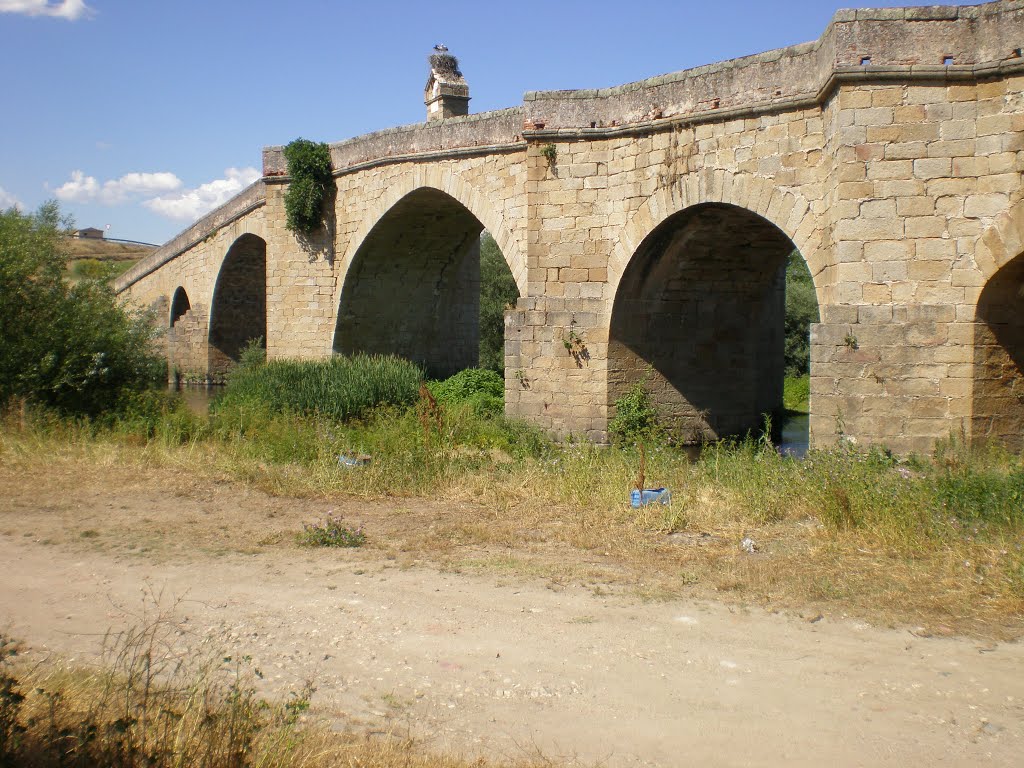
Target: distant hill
<point>88,258</point>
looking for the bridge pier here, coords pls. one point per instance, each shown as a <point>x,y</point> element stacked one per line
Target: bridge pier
<point>900,376</point>
<point>556,365</point>
<point>188,350</point>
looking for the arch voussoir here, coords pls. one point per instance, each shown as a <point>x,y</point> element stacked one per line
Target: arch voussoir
<point>786,209</point>
<point>450,183</point>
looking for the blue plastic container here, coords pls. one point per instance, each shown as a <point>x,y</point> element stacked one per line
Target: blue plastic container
<point>351,460</point>
<point>650,496</point>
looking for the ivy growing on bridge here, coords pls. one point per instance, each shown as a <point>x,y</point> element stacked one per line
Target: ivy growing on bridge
<point>309,166</point>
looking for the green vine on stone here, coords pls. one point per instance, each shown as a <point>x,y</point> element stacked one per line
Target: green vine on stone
<point>550,152</point>
<point>309,166</point>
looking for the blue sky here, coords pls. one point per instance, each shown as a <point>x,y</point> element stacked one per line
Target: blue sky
<point>143,114</point>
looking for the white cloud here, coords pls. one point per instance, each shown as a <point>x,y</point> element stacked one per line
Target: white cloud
<point>72,10</point>
<point>190,204</point>
<point>86,189</point>
<point>7,200</point>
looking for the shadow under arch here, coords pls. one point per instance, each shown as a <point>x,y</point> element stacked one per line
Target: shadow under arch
<point>413,286</point>
<point>238,311</point>
<point>179,306</point>
<point>698,320</point>
<point>997,405</point>
<point>788,210</point>
<point>454,187</point>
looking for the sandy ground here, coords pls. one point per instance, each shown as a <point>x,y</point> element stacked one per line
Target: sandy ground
<point>488,664</point>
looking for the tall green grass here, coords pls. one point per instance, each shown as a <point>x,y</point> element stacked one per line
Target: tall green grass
<point>340,388</point>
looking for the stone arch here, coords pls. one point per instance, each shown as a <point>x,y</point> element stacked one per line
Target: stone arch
<point>997,379</point>
<point>180,304</point>
<point>413,286</point>
<point>448,182</point>
<point>698,319</point>
<point>788,210</point>
<point>1001,242</point>
<point>238,309</point>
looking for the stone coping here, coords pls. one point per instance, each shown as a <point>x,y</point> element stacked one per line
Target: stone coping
<point>489,131</point>
<point>912,43</point>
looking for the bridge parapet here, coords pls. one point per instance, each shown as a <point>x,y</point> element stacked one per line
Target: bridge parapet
<point>483,133</point>
<point>248,199</point>
<point>935,43</point>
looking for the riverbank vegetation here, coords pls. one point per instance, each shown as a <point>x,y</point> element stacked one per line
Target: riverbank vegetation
<point>71,348</point>
<point>932,540</point>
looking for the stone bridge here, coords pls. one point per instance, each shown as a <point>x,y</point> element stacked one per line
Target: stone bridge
<point>647,227</point>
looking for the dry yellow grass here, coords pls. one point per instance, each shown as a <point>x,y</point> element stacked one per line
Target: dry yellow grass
<point>105,250</point>
<point>148,706</point>
<point>573,524</point>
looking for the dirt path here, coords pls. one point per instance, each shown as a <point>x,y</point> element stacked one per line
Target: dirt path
<point>485,664</point>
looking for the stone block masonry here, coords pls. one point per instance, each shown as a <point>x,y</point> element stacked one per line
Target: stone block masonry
<point>647,225</point>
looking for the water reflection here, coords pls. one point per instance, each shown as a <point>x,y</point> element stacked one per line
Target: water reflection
<point>795,435</point>
<point>197,397</point>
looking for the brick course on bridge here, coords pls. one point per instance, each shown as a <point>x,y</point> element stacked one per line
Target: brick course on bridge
<point>649,224</point>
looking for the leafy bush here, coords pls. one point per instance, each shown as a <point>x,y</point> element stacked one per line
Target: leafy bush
<point>309,166</point>
<point>796,393</point>
<point>330,532</point>
<point>340,388</point>
<point>74,349</point>
<point>483,390</point>
<point>801,311</point>
<point>253,354</point>
<point>635,419</point>
<point>498,289</point>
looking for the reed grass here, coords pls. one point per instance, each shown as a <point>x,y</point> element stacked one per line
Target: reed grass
<point>339,388</point>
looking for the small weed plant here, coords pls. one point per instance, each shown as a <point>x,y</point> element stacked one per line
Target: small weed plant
<point>635,419</point>
<point>330,532</point>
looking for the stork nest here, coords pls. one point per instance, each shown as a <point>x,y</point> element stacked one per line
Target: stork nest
<point>445,63</point>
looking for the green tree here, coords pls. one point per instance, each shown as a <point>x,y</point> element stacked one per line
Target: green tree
<point>801,311</point>
<point>75,349</point>
<point>497,290</point>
